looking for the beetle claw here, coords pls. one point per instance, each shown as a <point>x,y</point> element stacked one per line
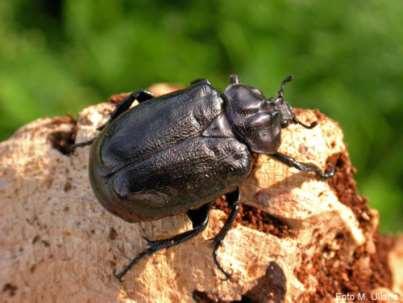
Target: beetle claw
<point>149,242</point>
<point>226,274</point>
<point>329,172</point>
<point>118,276</point>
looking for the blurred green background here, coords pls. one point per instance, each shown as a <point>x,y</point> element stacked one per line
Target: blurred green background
<point>347,56</point>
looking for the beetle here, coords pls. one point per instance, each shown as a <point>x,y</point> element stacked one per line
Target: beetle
<point>178,152</point>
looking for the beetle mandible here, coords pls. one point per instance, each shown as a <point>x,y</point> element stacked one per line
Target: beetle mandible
<point>178,152</point>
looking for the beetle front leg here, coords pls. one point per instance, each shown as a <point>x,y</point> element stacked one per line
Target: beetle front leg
<point>305,167</point>
<point>233,202</point>
<point>199,218</point>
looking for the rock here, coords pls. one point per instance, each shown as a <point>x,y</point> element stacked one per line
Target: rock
<point>297,239</point>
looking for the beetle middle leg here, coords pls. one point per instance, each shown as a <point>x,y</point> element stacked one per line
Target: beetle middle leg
<point>305,167</point>
<point>199,218</point>
<point>233,202</point>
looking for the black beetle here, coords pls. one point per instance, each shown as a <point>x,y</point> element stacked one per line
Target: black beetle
<point>178,152</point>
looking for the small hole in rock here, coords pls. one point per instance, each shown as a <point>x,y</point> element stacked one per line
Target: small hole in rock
<point>63,141</point>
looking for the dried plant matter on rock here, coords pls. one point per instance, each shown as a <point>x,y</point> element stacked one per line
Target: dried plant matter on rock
<point>297,238</point>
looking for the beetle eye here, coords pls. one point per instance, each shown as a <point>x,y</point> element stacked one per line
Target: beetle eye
<point>284,123</point>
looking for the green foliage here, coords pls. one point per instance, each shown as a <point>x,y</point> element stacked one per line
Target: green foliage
<point>346,56</point>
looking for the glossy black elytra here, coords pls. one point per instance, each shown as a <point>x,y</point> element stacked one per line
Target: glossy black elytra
<point>178,152</point>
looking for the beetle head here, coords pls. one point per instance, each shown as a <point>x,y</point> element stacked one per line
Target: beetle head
<point>257,120</point>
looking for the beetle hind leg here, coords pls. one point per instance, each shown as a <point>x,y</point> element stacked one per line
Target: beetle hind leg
<point>199,218</point>
<point>233,202</point>
<point>123,106</point>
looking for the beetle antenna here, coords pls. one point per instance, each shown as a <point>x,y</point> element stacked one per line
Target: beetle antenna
<point>280,92</point>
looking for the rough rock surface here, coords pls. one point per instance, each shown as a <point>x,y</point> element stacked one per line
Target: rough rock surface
<point>298,239</point>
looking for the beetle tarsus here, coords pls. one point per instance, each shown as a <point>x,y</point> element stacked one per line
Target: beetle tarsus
<point>234,79</point>
<point>118,276</point>
<point>305,167</point>
<point>233,202</point>
<point>199,218</point>
<point>149,241</point>
<point>133,261</point>
<point>81,144</point>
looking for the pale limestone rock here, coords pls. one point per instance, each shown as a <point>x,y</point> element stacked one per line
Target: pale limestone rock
<point>58,244</point>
